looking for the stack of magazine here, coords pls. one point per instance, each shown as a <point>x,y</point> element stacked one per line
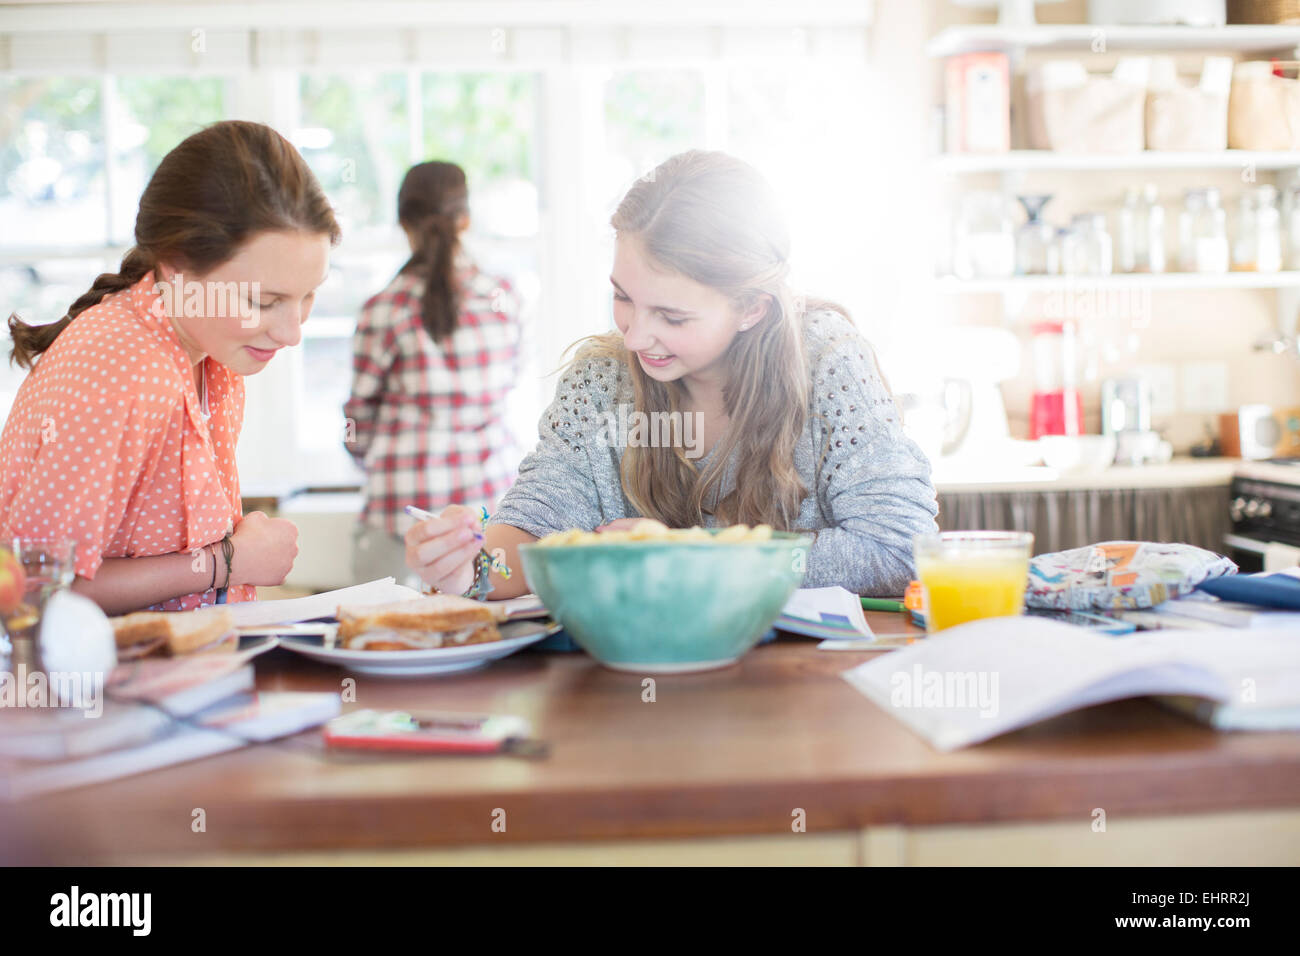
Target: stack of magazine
<point>144,715</point>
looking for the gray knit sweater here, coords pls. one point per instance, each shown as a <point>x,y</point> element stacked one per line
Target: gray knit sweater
<point>871,491</point>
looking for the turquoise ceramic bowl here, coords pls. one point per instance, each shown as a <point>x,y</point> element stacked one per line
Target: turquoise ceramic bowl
<point>667,606</point>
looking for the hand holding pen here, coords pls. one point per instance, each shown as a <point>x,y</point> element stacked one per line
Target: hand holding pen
<point>442,549</point>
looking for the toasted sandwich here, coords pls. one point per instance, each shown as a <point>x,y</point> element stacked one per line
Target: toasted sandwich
<point>201,631</point>
<point>439,620</point>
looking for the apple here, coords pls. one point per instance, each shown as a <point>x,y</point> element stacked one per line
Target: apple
<point>13,581</point>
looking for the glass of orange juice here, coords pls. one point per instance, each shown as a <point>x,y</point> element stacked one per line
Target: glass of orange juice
<point>968,575</point>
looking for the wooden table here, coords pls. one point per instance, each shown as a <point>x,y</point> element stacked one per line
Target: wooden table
<point>720,767</point>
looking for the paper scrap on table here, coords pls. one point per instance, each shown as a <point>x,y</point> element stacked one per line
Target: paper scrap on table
<point>881,642</point>
<point>325,604</point>
<point>824,612</point>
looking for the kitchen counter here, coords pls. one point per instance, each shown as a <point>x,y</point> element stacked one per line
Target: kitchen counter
<point>720,767</point>
<point>1179,473</point>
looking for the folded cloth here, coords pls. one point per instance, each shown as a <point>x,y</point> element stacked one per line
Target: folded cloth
<point>1281,590</point>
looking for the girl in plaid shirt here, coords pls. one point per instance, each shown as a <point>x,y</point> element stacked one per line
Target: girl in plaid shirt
<point>435,354</point>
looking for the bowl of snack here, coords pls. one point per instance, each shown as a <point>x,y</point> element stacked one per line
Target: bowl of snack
<point>657,600</point>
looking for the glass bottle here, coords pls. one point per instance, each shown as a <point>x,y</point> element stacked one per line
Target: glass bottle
<point>1037,252</point>
<point>1257,245</point>
<point>1140,236</point>
<point>985,240</point>
<point>1293,228</point>
<point>1086,248</point>
<point>1202,232</point>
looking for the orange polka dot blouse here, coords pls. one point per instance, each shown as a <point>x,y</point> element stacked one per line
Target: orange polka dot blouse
<point>107,443</point>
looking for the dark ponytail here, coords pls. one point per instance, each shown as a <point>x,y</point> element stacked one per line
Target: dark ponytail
<point>213,192</point>
<point>432,202</point>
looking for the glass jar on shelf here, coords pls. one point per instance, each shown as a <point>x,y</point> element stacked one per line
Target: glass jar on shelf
<point>1086,248</point>
<point>1037,251</point>
<point>1140,232</point>
<point>984,239</point>
<point>1257,244</point>
<point>1203,232</point>
<point>1292,212</point>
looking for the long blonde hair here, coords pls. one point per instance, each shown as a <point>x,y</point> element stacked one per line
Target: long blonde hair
<point>715,220</point>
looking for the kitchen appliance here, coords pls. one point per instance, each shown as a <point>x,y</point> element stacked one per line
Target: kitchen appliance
<point>1057,406</point>
<point>951,398</point>
<point>1260,432</point>
<point>1264,509</point>
<point>1126,414</point>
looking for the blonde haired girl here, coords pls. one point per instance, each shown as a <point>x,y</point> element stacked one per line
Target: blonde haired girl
<point>790,421</point>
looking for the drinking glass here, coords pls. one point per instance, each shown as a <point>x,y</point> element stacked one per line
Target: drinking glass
<point>31,570</point>
<point>968,575</point>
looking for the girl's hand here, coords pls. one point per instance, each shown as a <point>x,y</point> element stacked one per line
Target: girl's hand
<point>619,524</point>
<point>441,550</point>
<point>264,550</point>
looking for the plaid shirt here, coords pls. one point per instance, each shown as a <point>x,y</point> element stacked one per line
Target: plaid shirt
<point>426,420</point>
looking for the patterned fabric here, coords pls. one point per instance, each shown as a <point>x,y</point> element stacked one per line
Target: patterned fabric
<point>426,420</point>
<point>106,443</point>
<point>869,485</point>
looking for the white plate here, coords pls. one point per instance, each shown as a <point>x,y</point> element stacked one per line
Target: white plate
<point>515,635</point>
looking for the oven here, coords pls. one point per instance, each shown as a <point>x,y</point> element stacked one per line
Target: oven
<point>1264,507</point>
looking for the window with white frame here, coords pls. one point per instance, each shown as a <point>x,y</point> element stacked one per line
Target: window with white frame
<point>551,132</point>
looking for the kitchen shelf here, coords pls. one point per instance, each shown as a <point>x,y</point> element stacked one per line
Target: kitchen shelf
<point>1080,37</point>
<point>1046,160</point>
<point>1170,281</point>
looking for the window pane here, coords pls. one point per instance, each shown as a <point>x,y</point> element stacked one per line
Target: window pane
<point>486,124</point>
<point>778,118</point>
<point>51,161</point>
<point>354,135</point>
<point>327,380</point>
<point>38,293</point>
<point>649,116</point>
<point>154,114</point>
<point>354,277</point>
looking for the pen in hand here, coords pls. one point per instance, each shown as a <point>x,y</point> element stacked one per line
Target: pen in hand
<point>423,515</point>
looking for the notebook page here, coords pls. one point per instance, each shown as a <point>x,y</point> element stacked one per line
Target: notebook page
<point>982,679</point>
<point>325,604</point>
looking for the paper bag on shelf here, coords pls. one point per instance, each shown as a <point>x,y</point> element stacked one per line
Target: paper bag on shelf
<point>1264,109</point>
<point>1070,110</point>
<point>1180,116</point>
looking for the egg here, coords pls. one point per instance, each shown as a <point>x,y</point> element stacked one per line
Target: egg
<point>76,635</point>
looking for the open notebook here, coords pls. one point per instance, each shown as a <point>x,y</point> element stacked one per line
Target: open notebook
<point>325,604</point>
<point>982,679</point>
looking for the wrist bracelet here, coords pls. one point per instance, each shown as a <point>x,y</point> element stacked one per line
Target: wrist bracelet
<point>481,587</point>
<point>227,552</point>
<point>213,583</point>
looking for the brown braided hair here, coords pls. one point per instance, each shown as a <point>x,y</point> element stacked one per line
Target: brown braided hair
<point>216,190</point>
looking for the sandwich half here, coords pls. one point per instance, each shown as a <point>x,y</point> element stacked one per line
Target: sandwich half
<point>438,620</point>
<point>201,631</point>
